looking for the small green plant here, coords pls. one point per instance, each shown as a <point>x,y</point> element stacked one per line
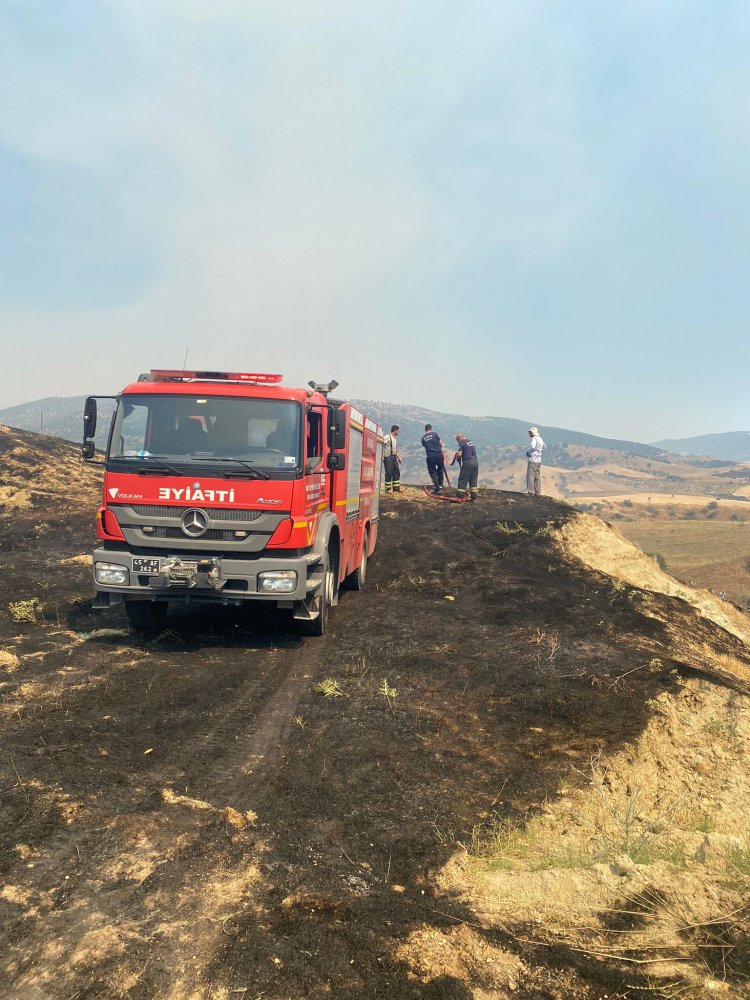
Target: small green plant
<point>26,611</point>
<point>546,529</point>
<point>506,528</point>
<point>697,821</point>
<point>654,665</point>
<point>329,688</point>
<point>673,854</point>
<point>500,842</point>
<point>388,693</point>
<point>739,859</point>
<point>715,727</point>
<point>506,844</point>
<point>299,721</point>
<point>570,858</point>
<point>623,829</point>
<point>661,562</point>
<point>646,600</point>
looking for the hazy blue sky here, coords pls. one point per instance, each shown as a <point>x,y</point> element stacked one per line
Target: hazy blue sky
<point>528,209</point>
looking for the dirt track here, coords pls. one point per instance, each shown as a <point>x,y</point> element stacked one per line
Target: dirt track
<point>187,817</point>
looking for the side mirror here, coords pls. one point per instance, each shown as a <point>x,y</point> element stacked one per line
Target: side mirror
<point>336,461</point>
<point>88,450</point>
<point>89,418</point>
<point>339,430</point>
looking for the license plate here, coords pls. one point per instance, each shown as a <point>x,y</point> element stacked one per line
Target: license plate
<point>149,566</point>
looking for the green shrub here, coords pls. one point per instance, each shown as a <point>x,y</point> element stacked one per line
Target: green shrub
<point>26,611</point>
<point>505,528</point>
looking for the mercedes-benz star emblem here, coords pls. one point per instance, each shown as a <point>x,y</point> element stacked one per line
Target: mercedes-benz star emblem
<point>194,523</point>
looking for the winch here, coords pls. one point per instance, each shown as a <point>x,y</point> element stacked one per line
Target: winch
<point>178,572</point>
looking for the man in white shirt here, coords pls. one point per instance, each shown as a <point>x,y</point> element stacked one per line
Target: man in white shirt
<point>392,461</point>
<point>534,466</point>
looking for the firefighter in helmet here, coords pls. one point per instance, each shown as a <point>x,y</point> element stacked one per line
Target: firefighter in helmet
<point>433,447</point>
<point>466,456</point>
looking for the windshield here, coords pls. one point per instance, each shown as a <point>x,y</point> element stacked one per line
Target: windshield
<point>263,433</point>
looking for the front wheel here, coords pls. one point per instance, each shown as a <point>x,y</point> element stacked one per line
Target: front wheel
<point>317,625</point>
<point>146,616</point>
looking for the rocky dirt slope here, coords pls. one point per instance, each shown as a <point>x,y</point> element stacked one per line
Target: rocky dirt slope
<point>528,777</point>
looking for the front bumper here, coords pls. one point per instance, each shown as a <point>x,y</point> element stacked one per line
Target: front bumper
<point>202,578</point>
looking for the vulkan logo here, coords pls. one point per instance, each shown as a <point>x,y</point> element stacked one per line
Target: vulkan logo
<point>196,494</point>
<point>114,492</point>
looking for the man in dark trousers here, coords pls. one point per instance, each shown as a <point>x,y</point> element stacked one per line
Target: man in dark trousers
<point>433,446</point>
<point>392,461</point>
<point>466,456</point>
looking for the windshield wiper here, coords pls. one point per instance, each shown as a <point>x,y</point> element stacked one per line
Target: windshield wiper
<point>258,473</point>
<point>158,463</point>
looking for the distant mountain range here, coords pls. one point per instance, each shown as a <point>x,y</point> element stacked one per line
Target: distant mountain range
<point>59,416</point>
<point>733,446</point>
<point>489,431</point>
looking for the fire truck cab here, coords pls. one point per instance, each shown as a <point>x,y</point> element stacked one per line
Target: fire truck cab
<point>224,488</point>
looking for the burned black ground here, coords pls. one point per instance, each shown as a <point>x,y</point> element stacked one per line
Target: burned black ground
<point>478,673</point>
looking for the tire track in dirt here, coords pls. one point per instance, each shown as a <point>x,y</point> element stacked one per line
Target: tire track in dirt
<point>237,755</point>
<point>160,857</point>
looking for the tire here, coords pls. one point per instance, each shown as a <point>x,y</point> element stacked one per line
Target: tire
<point>356,580</point>
<point>146,616</point>
<point>325,600</point>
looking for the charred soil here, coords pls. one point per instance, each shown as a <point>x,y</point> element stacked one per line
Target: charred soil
<point>226,809</point>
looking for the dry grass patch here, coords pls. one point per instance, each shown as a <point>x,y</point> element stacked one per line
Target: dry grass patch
<point>81,560</point>
<point>702,655</point>
<point>14,498</point>
<point>643,858</point>
<point>8,661</point>
<point>601,547</point>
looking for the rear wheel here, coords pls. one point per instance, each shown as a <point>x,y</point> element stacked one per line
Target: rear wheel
<point>356,580</point>
<point>146,616</point>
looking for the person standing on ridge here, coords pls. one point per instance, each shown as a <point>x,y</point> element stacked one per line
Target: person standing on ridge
<point>534,466</point>
<point>466,456</point>
<point>392,461</point>
<point>433,447</point>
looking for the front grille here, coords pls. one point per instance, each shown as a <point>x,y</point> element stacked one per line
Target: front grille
<point>215,513</point>
<point>212,535</point>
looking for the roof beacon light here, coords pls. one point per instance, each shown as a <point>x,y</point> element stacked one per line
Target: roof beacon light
<point>177,375</point>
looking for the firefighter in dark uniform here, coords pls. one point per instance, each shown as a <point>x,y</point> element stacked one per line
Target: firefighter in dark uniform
<point>466,456</point>
<point>433,446</point>
<point>392,461</point>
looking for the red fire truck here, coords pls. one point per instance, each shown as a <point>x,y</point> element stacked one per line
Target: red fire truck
<point>227,487</point>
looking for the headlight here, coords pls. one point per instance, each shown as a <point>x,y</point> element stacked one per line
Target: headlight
<point>112,574</point>
<point>282,581</point>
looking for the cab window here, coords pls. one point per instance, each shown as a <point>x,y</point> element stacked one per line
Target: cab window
<point>314,443</point>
